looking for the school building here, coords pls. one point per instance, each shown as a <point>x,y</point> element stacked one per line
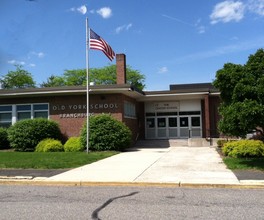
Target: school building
<point>183,111</point>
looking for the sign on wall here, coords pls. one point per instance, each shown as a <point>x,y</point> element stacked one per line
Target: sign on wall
<point>70,110</point>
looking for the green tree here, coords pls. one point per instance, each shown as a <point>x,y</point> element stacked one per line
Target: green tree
<point>242,94</point>
<point>107,75</point>
<point>101,76</point>
<point>18,79</point>
<point>54,81</point>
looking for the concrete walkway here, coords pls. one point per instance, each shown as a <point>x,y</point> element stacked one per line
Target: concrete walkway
<point>162,162</point>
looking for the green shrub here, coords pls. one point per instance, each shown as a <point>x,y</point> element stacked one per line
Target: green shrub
<point>244,148</point>
<point>49,145</point>
<point>228,147</point>
<point>73,144</point>
<point>26,134</point>
<point>106,133</point>
<point>4,143</point>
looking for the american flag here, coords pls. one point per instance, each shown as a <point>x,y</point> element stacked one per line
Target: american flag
<point>98,43</point>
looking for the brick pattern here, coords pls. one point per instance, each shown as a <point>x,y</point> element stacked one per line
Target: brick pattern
<point>121,69</point>
<point>70,111</point>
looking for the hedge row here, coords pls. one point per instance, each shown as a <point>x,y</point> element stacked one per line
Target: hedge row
<point>105,133</point>
<point>244,148</point>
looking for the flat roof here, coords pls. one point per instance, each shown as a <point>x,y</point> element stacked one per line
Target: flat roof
<point>177,91</point>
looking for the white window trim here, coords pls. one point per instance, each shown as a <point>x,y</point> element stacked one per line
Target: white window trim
<point>32,111</point>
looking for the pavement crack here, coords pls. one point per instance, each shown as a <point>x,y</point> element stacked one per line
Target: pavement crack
<point>150,165</point>
<point>95,214</point>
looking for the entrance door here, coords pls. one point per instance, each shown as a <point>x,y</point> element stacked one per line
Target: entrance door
<point>150,128</point>
<point>172,127</point>
<point>167,127</point>
<point>190,126</point>
<point>184,126</point>
<point>196,129</point>
<point>162,127</point>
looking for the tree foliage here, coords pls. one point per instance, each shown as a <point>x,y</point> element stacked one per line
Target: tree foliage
<point>100,76</point>
<point>242,94</point>
<point>18,79</point>
<point>54,81</point>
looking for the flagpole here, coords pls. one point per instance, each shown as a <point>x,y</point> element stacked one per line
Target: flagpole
<point>87,86</point>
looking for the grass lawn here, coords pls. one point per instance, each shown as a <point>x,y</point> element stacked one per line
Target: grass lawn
<point>51,160</point>
<point>244,163</point>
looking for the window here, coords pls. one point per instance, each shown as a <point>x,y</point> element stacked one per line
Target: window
<point>5,115</point>
<point>184,122</point>
<point>190,113</point>
<point>173,122</point>
<point>21,112</point>
<point>150,122</point>
<point>130,110</point>
<point>40,111</point>
<point>195,121</point>
<point>161,122</point>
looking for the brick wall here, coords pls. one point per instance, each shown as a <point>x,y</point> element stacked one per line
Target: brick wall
<point>70,111</point>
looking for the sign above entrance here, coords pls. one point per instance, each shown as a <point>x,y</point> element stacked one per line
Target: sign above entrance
<point>166,106</point>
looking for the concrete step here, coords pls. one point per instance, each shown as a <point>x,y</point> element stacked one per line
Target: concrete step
<point>161,143</point>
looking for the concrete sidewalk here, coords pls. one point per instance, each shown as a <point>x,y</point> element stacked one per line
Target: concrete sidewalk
<point>150,163</point>
<point>174,164</point>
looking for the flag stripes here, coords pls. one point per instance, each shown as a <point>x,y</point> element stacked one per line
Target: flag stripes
<point>98,43</point>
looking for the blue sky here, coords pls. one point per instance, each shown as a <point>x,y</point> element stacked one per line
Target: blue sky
<point>170,42</point>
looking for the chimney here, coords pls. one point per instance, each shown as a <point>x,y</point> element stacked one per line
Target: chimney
<point>120,69</point>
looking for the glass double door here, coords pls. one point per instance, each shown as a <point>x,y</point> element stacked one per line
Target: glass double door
<point>167,127</point>
<point>178,127</point>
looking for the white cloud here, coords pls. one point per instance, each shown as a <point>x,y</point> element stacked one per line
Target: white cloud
<point>32,64</point>
<point>123,27</point>
<point>82,9</point>
<point>256,6</point>
<point>105,12</point>
<point>38,54</point>
<point>163,69</point>
<point>227,11</point>
<point>200,28</point>
<point>16,62</point>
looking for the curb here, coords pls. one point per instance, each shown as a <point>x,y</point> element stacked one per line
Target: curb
<point>42,182</point>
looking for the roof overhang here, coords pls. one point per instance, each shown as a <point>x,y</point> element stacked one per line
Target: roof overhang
<point>125,89</point>
<point>172,95</point>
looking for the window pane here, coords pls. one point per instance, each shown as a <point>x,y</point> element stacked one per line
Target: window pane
<point>23,115</point>
<point>161,122</point>
<point>4,117</point>
<point>41,114</point>
<point>184,122</point>
<point>5,108</point>
<point>172,122</point>
<point>190,113</point>
<point>40,107</point>
<point>151,122</point>
<point>130,109</point>
<point>196,121</point>
<point>150,114</point>
<point>23,107</point>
